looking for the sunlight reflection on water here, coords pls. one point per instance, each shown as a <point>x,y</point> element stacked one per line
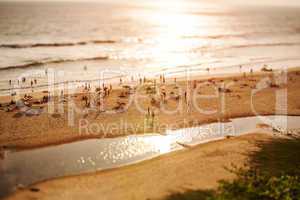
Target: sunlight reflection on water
<point>30,166</point>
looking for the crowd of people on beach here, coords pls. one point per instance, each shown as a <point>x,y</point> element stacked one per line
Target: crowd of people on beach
<point>92,95</point>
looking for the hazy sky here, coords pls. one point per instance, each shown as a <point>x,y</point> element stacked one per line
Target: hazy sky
<point>270,2</point>
<point>244,2</point>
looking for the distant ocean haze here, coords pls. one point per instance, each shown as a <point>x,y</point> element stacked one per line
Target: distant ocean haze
<point>142,38</point>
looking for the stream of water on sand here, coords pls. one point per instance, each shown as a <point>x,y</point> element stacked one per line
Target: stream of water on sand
<point>23,168</point>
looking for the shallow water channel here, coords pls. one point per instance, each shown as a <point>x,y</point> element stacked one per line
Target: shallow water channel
<point>23,168</point>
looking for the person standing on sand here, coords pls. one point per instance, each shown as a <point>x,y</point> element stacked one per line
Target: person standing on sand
<point>207,69</point>
<point>45,99</point>
<point>152,116</point>
<point>194,84</point>
<point>163,95</point>
<point>31,83</point>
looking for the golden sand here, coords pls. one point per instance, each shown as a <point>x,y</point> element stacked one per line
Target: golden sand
<point>18,131</point>
<point>200,167</point>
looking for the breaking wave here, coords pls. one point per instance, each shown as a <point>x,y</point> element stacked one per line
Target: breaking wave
<point>62,44</point>
<point>39,63</point>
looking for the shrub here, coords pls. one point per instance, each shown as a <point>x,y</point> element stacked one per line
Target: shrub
<point>254,185</point>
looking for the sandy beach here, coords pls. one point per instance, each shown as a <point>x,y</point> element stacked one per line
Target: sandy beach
<point>45,127</point>
<point>149,100</point>
<point>200,167</point>
<point>157,178</point>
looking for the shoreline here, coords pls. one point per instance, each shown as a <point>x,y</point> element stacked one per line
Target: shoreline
<point>114,80</point>
<point>117,86</point>
<point>15,142</point>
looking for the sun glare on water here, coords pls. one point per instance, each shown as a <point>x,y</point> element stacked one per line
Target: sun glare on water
<point>172,45</point>
<point>160,144</point>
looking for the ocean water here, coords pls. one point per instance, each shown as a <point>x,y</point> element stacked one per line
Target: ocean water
<point>91,41</point>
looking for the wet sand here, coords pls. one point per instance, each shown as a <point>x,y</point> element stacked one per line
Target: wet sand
<point>21,131</point>
<point>200,167</point>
